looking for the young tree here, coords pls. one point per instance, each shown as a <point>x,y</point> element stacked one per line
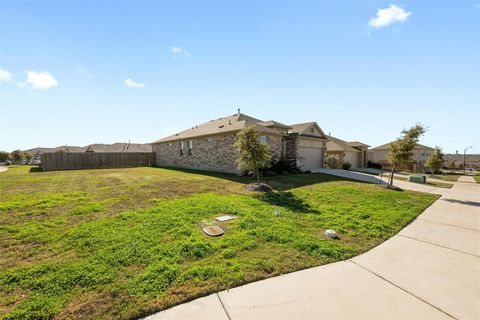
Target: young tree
<point>252,154</point>
<point>4,156</point>
<point>436,160</point>
<point>17,155</point>
<point>400,152</point>
<point>28,155</point>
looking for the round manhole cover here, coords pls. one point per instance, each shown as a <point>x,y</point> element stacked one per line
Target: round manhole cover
<point>213,231</point>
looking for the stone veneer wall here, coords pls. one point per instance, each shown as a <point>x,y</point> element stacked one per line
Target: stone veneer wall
<point>275,146</point>
<point>291,149</point>
<point>213,153</point>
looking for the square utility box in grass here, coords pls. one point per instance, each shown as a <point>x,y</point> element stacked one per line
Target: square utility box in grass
<point>417,178</point>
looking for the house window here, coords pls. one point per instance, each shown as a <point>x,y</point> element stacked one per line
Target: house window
<point>263,139</point>
<point>190,146</point>
<point>181,148</point>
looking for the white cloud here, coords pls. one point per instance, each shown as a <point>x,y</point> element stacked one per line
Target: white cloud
<point>132,84</point>
<point>176,51</point>
<point>387,16</point>
<point>5,76</point>
<point>41,80</point>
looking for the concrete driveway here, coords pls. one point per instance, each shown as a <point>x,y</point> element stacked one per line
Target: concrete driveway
<point>3,169</point>
<point>429,270</point>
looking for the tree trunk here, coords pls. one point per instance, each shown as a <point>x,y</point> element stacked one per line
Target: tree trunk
<point>258,175</point>
<point>390,179</point>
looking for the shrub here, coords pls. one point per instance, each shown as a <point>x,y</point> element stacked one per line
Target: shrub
<point>280,166</point>
<point>333,162</point>
<point>374,165</point>
<point>346,166</point>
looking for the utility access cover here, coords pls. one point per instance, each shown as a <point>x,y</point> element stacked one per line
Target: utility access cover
<point>213,231</point>
<point>225,218</point>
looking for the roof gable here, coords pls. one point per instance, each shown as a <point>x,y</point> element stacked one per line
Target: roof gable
<point>335,144</point>
<point>311,129</point>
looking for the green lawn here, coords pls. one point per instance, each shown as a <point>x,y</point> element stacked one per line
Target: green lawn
<point>429,182</point>
<point>123,243</point>
<point>477,178</point>
<point>448,177</point>
<point>403,176</point>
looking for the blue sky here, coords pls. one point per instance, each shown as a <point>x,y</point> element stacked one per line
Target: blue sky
<point>88,72</point>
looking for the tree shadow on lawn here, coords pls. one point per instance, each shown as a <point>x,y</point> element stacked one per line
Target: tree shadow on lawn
<point>288,200</point>
<point>278,182</point>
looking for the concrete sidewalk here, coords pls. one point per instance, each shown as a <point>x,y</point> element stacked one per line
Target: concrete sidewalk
<point>430,270</point>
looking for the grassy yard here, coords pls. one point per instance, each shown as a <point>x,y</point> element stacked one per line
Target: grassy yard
<point>449,177</point>
<point>403,176</point>
<point>122,243</point>
<point>428,183</point>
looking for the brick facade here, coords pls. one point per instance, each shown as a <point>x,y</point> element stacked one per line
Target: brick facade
<point>212,153</point>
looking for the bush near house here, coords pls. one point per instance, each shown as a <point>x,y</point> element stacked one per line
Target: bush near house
<point>374,165</point>
<point>346,166</point>
<point>333,162</point>
<point>123,243</point>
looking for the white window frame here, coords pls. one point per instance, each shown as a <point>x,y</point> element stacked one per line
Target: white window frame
<point>263,139</point>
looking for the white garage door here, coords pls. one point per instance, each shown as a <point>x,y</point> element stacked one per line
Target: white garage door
<point>310,158</point>
<point>354,158</point>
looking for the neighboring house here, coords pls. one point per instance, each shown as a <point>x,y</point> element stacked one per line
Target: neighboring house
<point>353,152</point>
<point>211,146</point>
<point>98,147</point>
<point>119,147</point>
<point>420,155</point>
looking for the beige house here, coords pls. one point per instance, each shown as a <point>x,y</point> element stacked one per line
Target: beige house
<point>420,155</point>
<point>353,152</point>
<point>306,145</point>
<point>211,146</point>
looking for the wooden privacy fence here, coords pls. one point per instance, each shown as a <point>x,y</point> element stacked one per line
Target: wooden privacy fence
<point>95,160</point>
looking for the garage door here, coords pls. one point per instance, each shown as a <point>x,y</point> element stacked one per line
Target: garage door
<point>354,158</point>
<point>310,158</point>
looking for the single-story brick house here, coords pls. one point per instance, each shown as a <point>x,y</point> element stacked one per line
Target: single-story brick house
<point>420,155</point>
<point>211,145</point>
<point>353,152</point>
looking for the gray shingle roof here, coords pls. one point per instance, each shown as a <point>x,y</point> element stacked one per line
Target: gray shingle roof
<point>386,145</point>
<point>222,125</point>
